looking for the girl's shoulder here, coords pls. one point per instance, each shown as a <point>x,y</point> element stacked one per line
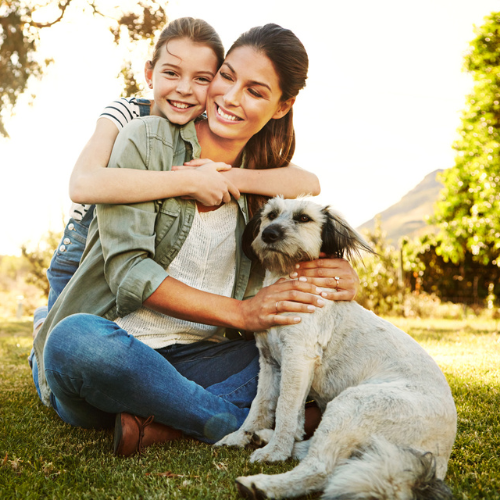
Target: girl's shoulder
<point>125,109</point>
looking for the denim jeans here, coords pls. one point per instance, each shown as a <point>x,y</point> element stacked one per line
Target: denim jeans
<point>67,255</point>
<point>95,369</point>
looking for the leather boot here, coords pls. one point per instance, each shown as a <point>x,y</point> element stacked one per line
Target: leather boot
<point>313,418</point>
<point>133,434</point>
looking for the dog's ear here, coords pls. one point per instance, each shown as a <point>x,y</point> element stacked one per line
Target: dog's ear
<point>340,239</point>
<point>250,233</point>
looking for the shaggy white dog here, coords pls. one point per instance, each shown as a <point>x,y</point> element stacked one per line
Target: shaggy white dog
<point>389,420</point>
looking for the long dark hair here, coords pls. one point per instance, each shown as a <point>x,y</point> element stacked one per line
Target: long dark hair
<point>273,146</point>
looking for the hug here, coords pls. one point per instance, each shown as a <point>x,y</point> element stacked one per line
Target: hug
<point>153,330</point>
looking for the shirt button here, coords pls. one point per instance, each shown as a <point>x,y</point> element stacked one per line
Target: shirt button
<point>62,248</point>
<point>71,227</point>
<point>66,241</point>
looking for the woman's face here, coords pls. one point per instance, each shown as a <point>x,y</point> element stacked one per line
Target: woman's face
<point>244,95</point>
<point>180,79</point>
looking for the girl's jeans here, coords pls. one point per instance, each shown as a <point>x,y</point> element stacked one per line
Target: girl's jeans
<point>68,254</point>
<point>95,369</point>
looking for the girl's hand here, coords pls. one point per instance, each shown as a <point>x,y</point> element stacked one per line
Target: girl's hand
<point>262,311</point>
<point>337,274</point>
<point>208,186</point>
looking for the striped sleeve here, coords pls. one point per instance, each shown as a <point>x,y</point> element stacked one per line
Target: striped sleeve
<point>121,111</point>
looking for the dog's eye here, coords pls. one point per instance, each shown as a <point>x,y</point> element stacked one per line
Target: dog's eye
<point>272,215</point>
<point>303,218</point>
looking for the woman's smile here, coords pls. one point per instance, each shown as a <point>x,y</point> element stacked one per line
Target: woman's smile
<point>244,95</point>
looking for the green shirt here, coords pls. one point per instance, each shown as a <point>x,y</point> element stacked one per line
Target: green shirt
<point>129,247</point>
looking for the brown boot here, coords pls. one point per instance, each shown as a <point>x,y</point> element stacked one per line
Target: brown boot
<point>133,434</point>
<point>313,419</point>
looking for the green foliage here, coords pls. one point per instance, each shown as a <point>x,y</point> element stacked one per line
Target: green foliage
<point>20,38</point>
<point>469,209</point>
<point>467,281</point>
<point>39,258</point>
<point>380,280</point>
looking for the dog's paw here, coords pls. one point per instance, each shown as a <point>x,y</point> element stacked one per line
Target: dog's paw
<point>269,454</point>
<point>247,489</point>
<point>301,449</point>
<point>238,438</point>
<point>262,437</point>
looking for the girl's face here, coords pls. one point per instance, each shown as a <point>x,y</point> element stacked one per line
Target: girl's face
<point>244,95</point>
<point>180,80</point>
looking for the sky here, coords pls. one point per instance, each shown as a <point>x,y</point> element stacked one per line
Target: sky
<point>380,110</point>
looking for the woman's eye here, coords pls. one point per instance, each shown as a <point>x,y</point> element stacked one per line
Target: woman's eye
<point>226,76</point>
<point>254,93</point>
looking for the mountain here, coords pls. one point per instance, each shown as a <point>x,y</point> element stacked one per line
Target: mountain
<point>407,216</point>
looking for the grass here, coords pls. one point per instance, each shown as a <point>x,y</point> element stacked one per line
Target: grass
<point>41,457</point>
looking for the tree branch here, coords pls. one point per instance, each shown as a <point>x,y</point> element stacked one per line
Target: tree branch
<point>62,6</point>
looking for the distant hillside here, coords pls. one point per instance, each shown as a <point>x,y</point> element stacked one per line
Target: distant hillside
<point>407,216</point>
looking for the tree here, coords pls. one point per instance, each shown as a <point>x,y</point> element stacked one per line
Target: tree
<point>20,39</point>
<point>39,258</point>
<point>468,212</point>
<point>381,286</point>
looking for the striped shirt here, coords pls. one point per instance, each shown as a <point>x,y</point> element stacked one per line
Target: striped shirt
<point>120,112</point>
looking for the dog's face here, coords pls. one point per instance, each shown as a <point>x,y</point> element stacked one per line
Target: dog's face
<point>285,232</point>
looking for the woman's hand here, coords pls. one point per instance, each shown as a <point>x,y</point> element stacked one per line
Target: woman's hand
<point>209,187</point>
<point>337,274</point>
<point>262,311</point>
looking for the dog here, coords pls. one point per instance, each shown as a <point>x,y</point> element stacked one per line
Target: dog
<point>388,417</point>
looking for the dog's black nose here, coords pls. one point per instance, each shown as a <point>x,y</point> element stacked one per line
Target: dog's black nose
<point>272,233</point>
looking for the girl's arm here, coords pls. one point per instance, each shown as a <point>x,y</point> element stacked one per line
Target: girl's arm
<point>290,182</point>
<point>91,182</point>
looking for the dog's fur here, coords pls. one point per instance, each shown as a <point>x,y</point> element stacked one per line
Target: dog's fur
<point>389,420</point>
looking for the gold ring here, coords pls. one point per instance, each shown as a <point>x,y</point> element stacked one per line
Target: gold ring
<point>337,279</point>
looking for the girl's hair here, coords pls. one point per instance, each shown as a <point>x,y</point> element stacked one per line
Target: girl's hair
<point>274,145</point>
<point>196,30</point>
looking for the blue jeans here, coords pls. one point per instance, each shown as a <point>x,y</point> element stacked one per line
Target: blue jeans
<point>95,369</point>
<point>67,255</point>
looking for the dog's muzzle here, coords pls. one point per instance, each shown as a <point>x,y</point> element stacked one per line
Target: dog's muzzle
<point>272,233</point>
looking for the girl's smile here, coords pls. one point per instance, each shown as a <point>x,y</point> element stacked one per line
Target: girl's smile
<point>180,80</point>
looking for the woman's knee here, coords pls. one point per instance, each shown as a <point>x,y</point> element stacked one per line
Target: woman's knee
<point>77,339</point>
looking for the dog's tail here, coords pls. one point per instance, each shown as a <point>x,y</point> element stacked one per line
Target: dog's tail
<point>384,471</point>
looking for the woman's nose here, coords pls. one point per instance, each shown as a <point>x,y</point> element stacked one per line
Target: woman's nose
<point>232,96</point>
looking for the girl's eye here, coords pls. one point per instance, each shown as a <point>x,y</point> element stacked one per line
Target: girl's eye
<point>203,80</point>
<point>169,74</point>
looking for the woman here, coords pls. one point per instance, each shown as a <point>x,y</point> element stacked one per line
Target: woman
<point>93,366</point>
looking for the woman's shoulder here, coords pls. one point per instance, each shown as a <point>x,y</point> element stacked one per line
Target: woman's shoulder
<point>145,129</point>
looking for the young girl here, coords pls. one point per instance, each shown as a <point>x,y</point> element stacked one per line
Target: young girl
<point>165,270</point>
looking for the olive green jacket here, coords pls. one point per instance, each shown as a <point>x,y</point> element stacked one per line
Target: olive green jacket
<point>129,247</point>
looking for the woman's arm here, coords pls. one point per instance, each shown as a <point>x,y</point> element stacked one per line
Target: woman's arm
<point>91,182</point>
<point>256,314</point>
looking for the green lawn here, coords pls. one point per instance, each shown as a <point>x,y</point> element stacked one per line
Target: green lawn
<point>41,457</point>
